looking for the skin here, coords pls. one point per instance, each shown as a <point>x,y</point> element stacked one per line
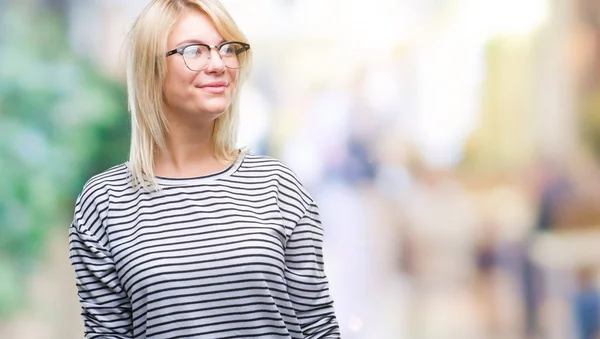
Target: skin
<point>191,106</point>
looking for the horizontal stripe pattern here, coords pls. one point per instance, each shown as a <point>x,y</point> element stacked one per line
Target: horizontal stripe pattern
<point>237,254</point>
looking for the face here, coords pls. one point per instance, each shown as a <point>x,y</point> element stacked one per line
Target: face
<point>205,94</point>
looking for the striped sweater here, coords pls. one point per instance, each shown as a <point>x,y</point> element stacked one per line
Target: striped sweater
<point>235,254</point>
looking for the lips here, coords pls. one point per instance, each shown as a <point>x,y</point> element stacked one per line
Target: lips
<point>214,84</point>
<point>214,87</point>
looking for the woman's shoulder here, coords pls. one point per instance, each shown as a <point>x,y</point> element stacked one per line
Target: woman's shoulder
<point>98,185</point>
<point>268,165</point>
<point>265,165</point>
<point>93,199</point>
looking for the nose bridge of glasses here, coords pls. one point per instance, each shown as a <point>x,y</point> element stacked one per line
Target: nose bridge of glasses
<point>214,49</point>
<point>210,61</point>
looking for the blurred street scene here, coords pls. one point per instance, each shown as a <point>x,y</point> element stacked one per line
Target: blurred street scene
<point>453,147</point>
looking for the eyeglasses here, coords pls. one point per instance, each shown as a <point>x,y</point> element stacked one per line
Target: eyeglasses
<point>197,56</point>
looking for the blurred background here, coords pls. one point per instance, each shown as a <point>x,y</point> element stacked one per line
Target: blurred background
<point>452,145</point>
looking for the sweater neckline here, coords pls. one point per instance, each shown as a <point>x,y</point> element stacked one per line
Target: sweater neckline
<point>168,181</point>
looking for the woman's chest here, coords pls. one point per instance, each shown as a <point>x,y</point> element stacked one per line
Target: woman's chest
<point>192,240</point>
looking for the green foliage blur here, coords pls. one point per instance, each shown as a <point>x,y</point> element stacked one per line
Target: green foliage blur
<point>61,121</point>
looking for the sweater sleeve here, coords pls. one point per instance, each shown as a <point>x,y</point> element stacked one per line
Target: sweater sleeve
<point>105,307</point>
<point>308,286</point>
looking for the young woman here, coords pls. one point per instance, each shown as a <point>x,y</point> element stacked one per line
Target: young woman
<point>192,237</point>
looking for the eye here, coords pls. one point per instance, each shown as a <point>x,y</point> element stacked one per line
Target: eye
<point>228,49</point>
<point>194,51</point>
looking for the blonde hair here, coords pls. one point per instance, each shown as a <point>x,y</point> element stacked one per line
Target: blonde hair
<point>146,69</point>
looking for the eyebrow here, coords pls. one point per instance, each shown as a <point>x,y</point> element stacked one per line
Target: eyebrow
<point>196,41</point>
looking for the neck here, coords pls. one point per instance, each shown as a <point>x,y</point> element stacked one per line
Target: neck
<point>189,152</point>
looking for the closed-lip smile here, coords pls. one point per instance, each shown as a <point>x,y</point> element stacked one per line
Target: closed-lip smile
<point>214,87</point>
<point>214,84</point>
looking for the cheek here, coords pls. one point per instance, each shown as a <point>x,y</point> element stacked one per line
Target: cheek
<point>176,83</point>
<point>233,75</point>
<point>233,79</point>
<point>171,92</point>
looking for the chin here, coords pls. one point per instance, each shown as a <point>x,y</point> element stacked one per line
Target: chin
<point>216,111</point>
<point>215,106</point>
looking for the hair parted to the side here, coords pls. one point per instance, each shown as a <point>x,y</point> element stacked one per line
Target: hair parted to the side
<point>146,69</point>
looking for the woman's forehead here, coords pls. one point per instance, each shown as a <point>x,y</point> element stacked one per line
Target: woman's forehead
<point>194,26</point>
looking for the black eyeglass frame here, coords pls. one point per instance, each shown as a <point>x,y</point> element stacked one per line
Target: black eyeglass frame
<point>179,50</point>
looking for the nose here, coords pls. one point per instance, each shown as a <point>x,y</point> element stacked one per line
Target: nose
<point>215,64</point>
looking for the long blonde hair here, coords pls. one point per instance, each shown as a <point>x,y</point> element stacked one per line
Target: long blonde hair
<point>146,69</point>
